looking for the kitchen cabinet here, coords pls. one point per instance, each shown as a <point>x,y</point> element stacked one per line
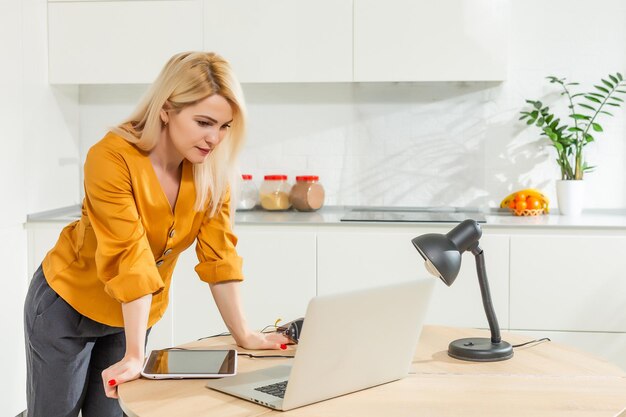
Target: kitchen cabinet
<point>423,40</point>
<point>562,283</point>
<point>364,258</point>
<point>122,42</point>
<point>119,42</point>
<point>279,269</point>
<point>282,40</point>
<point>573,282</point>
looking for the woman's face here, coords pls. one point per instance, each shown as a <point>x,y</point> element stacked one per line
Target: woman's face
<point>197,129</point>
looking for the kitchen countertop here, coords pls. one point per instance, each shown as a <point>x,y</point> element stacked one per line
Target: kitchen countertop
<point>332,215</point>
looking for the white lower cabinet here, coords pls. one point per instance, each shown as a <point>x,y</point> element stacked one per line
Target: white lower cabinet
<point>567,285</point>
<point>608,346</point>
<point>279,270</point>
<point>568,282</point>
<point>351,260</point>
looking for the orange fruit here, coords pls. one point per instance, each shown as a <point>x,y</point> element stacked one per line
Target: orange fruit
<point>520,197</point>
<point>533,203</point>
<point>520,205</point>
<point>512,204</point>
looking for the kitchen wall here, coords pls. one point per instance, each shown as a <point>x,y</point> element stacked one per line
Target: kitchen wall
<point>13,210</point>
<point>408,144</point>
<point>429,144</point>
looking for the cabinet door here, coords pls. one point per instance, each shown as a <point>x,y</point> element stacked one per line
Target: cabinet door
<point>425,40</point>
<point>282,40</point>
<point>123,42</point>
<point>279,270</point>
<point>609,346</point>
<point>568,283</point>
<point>353,260</point>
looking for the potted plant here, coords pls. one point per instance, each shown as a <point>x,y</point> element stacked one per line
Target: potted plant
<point>570,137</point>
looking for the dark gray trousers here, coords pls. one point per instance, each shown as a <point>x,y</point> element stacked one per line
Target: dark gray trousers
<point>65,355</point>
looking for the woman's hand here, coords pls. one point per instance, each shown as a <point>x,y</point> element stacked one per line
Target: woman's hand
<point>127,369</point>
<point>256,340</point>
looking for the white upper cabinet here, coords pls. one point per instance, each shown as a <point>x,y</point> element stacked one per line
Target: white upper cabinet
<point>282,40</point>
<point>119,42</point>
<point>426,40</point>
<point>128,42</point>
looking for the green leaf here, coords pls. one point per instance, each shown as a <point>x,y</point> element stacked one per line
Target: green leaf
<point>597,127</point>
<point>595,100</point>
<point>540,121</point>
<point>578,94</point>
<point>575,129</point>
<point>604,90</point>
<point>616,98</point>
<point>587,106</point>
<point>534,114</point>
<point>602,96</point>
<point>619,76</point>
<point>537,105</point>
<point>613,104</point>
<point>523,117</point>
<point>577,116</point>
<point>608,84</point>
<point>549,118</point>
<point>621,91</point>
<point>530,122</point>
<point>558,146</point>
<point>572,84</point>
<point>606,112</point>
<point>589,138</point>
<point>615,80</point>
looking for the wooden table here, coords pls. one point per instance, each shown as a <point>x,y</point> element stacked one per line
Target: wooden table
<point>546,379</point>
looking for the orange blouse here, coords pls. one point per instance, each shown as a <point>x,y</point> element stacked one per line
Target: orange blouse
<point>127,241</point>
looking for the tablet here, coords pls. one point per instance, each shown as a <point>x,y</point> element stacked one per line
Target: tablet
<point>179,364</point>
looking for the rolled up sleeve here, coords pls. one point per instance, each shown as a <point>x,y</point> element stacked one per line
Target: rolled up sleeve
<point>216,250</point>
<point>124,260</point>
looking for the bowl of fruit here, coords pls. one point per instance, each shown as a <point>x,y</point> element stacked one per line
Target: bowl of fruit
<point>527,202</point>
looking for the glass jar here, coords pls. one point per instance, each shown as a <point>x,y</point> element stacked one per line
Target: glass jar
<point>307,194</point>
<point>274,192</point>
<point>248,193</point>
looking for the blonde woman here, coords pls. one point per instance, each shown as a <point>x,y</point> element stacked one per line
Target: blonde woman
<point>154,185</point>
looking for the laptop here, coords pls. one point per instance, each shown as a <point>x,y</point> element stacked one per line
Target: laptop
<point>349,342</point>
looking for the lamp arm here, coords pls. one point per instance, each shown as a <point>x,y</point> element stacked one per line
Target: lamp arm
<point>486,295</point>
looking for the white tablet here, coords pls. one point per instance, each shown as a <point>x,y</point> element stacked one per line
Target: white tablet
<point>179,364</point>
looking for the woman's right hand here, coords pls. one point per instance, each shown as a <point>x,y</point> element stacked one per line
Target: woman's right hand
<point>128,369</point>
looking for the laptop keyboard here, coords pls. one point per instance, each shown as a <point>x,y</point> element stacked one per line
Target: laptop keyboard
<point>277,389</point>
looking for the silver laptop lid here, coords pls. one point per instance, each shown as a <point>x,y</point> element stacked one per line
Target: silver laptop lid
<point>357,340</point>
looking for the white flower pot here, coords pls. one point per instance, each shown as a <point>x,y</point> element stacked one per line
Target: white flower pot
<point>570,195</point>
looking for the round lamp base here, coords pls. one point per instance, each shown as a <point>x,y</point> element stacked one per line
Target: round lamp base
<point>480,349</point>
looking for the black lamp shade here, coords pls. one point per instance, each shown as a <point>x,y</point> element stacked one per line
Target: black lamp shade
<point>443,252</point>
<point>440,254</point>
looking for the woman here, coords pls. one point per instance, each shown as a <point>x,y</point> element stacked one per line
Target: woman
<point>153,185</point>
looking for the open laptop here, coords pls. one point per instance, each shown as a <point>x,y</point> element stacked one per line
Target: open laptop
<point>349,342</point>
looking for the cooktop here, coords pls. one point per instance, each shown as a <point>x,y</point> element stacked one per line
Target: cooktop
<point>411,216</point>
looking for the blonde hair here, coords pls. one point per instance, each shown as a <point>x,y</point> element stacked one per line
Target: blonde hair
<point>187,78</point>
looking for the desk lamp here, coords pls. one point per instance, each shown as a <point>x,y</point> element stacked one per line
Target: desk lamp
<point>442,254</point>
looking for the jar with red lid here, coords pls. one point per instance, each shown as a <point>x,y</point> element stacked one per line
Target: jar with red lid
<point>248,193</point>
<point>307,194</point>
<point>274,192</point>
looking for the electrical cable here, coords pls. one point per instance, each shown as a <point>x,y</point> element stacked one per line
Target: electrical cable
<point>544,339</point>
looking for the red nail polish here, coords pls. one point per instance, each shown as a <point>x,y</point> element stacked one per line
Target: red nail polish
<point>283,346</point>
<point>112,382</point>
